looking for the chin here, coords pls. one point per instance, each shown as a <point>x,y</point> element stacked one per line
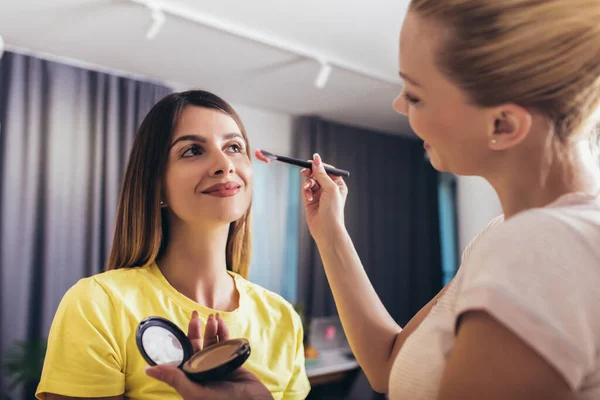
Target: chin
<point>436,163</point>
<point>230,215</point>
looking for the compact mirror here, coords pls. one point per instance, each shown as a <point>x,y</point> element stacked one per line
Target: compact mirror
<point>161,342</point>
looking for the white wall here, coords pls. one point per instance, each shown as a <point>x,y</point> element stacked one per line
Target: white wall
<point>267,130</point>
<point>477,203</point>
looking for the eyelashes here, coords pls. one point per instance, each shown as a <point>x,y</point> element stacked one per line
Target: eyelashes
<point>195,150</point>
<point>191,151</point>
<point>411,99</point>
<point>238,147</point>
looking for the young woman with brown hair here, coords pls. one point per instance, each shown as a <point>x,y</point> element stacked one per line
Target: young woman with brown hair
<point>181,249</point>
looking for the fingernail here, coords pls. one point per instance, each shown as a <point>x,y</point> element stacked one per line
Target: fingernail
<point>306,185</point>
<point>304,170</point>
<point>310,198</point>
<point>194,314</point>
<point>317,159</point>
<point>218,316</point>
<point>211,316</point>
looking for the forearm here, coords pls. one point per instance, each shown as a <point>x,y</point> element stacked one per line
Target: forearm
<point>370,329</point>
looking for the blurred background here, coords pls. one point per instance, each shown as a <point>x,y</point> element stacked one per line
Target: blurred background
<point>78,76</point>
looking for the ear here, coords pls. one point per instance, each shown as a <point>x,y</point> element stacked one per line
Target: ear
<point>512,124</point>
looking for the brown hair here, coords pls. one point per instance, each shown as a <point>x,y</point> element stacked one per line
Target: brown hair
<point>541,54</point>
<point>141,227</point>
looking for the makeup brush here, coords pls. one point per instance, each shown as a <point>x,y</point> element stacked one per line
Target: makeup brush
<point>293,161</point>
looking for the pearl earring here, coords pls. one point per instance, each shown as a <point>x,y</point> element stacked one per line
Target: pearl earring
<point>494,141</point>
<point>162,203</point>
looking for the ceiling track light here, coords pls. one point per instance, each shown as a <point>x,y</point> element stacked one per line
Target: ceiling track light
<point>160,8</point>
<point>323,75</point>
<point>158,20</point>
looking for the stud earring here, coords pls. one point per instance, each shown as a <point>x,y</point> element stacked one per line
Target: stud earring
<point>494,141</point>
<point>162,203</point>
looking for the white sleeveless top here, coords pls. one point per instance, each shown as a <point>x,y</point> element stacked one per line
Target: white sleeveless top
<point>538,273</point>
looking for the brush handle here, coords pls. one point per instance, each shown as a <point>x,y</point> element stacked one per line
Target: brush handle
<point>306,164</point>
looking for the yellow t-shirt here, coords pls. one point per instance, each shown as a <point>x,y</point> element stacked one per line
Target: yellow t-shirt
<point>92,349</point>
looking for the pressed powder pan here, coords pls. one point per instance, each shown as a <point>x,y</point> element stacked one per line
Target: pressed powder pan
<point>161,342</point>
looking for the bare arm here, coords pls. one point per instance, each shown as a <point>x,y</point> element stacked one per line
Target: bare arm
<point>373,334</point>
<point>490,362</point>
<point>375,338</point>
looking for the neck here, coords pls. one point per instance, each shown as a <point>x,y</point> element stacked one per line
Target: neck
<point>194,263</point>
<point>528,182</point>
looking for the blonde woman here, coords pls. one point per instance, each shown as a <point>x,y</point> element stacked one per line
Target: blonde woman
<point>181,250</point>
<point>505,90</point>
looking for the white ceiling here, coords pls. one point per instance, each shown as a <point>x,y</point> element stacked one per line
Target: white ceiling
<point>111,33</point>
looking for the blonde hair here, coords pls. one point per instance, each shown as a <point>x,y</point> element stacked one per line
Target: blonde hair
<point>541,54</point>
<point>141,231</point>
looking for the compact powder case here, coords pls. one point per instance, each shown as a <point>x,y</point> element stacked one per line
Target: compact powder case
<point>161,342</point>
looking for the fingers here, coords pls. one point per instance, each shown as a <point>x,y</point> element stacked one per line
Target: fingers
<point>317,179</point>
<point>211,331</point>
<point>215,331</point>
<point>320,175</point>
<point>195,331</point>
<point>175,378</point>
<point>222,330</point>
<point>309,188</point>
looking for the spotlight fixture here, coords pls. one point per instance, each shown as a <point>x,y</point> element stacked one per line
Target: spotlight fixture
<point>323,75</point>
<point>158,20</point>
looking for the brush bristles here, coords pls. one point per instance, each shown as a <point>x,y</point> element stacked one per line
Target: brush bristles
<point>268,155</point>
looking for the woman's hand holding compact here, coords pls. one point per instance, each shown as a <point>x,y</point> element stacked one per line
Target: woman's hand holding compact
<point>240,384</point>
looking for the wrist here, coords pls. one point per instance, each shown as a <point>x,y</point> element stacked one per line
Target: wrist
<point>334,234</point>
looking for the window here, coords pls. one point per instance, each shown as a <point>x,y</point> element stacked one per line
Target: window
<point>448,228</point>
<point>276,206</point>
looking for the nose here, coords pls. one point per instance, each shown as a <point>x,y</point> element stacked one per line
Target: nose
<point>400,104</point>
<point>222,165</point>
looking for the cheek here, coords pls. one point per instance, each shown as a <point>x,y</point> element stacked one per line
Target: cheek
<point>180,179</point>
<point>446,125</point>
<point>249,182</point>
<point>243,169</point>
<point>465,126</point>
<point>425,123</point>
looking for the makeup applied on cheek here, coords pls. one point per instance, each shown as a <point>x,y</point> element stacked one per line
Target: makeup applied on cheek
<point>160,341</point>
<point>267,156</point>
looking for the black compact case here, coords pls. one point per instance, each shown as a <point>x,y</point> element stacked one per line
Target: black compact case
<point>162,342</point>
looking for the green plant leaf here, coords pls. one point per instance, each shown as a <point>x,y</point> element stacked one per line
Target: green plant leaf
<point>25,360</point>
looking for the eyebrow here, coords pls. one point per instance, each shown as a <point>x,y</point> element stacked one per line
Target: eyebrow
<point>408,79</point>
<point>202,139</point>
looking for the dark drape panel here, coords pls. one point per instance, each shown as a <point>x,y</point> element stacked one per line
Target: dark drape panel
<point>391,215</point>
<point>66,134</point>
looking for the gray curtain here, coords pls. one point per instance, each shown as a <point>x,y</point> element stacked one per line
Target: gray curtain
<point>65,137</point>
<point>391,215</point>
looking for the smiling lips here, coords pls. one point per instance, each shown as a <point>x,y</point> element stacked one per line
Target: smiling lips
<point>223,189</point>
